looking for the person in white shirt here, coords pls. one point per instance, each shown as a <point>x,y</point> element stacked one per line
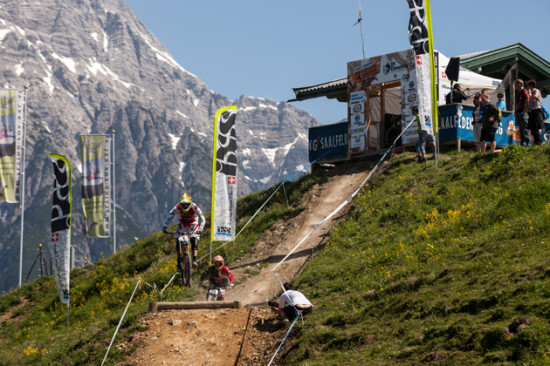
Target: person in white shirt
<point>290,302</point>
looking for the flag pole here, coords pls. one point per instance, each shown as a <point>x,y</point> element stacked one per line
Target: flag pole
<point>22,178</point>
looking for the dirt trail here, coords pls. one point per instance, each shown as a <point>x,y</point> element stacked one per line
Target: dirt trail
<point>251,334</point>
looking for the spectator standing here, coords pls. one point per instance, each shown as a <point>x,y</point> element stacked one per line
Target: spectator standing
<point>536,117</point>
<point>456,96</point>
<point>490,121</point>
<point>501,103</point>
<point>430,143</point>
<point>521,115</point>
<point>476,123</point>
<point>420,149</point>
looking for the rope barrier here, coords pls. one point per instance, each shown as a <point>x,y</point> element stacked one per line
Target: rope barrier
<point>286,336</point>
<point>343,204</point>
<point>168,284</point>
<point>154,286</point>
<point>262,206</point>
<point>121,319</point>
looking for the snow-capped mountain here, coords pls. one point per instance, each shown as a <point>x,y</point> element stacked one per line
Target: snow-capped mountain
<point>91,66</point>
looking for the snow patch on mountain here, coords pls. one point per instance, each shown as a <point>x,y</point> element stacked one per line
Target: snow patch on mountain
<point>67,61</point>
<point>174,140</point>
<point>96,67</point>
<point>3,33</point>
<point>19,69</point>
<point>182,114</point>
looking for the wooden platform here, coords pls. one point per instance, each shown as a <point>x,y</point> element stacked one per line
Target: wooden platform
<point>160,306</point>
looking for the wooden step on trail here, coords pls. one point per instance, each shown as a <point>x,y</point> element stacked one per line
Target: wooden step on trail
<point>160,306</point>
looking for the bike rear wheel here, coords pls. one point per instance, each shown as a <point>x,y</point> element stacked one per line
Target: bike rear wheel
<point>186,269</point>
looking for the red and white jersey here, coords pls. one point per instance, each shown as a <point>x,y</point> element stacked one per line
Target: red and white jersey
<point>192,217</point>
<point>218,276</point>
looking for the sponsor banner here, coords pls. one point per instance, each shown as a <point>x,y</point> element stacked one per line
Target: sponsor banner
<point>60,240</point>
<point>358,107</point>
<point>11,138</point>
<point>358,96</point>
<point>20,141</point>
<point>370,74</point>
<point>328,142</point>
<point>96,184</point>
<point>357,119</point>
<point>421,40</point>
<point>224,175</point>
<point>456,123</point>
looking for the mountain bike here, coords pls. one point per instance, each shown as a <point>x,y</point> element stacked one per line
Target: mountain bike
<point>184,264</point>
<point>215,293</point>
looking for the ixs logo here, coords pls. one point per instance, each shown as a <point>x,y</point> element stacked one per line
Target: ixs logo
<point>224,230</point>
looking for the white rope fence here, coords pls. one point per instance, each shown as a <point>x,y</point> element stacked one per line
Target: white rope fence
<point>342,205</point>
<point>348,200</point>
<point>121,319</point>
<point>263,205</point>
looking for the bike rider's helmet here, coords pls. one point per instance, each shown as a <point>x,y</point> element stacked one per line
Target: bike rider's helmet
<point>218,261</point>
<point>185,202</point>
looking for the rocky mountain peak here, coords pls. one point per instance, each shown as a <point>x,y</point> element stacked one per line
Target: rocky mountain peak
<point>91,66</point>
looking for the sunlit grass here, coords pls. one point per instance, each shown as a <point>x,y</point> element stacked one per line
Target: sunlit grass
<point>435,265</point>
<point>34,329</point>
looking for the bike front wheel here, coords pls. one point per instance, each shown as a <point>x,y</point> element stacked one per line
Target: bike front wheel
<point>186,267</point>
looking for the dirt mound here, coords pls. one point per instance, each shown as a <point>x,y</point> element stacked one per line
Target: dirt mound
<point>249,336</point>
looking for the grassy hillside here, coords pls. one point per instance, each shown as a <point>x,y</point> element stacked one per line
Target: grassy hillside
<point>33,323</point>
<point>448,265</point>
<point>444,265</point>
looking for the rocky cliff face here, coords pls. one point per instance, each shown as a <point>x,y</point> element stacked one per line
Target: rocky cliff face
<point>91,66</point>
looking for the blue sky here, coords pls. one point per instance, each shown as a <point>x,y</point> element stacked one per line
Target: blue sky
<point>264,49</point>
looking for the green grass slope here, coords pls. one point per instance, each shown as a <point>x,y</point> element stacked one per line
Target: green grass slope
<point>446,265</point>
<point>33,323</point>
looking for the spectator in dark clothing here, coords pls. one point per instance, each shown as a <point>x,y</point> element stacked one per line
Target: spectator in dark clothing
<point>490,122</point>
<point>457,95</point>
<point>522,106</point>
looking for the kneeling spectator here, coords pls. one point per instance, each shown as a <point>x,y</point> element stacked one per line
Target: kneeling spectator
<point>290,302</point>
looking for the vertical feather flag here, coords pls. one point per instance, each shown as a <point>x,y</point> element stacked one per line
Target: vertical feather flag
<point>224,175</point>
<point>60,243</point>
<point>421,39</point>
<point>12,114</point>
<point>96,184</point>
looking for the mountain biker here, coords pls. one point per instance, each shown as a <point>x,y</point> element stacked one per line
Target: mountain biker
<point>191,222</point>
<point>218,275</point>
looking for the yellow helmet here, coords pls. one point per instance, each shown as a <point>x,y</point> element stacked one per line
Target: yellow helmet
<point>185,202</point>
